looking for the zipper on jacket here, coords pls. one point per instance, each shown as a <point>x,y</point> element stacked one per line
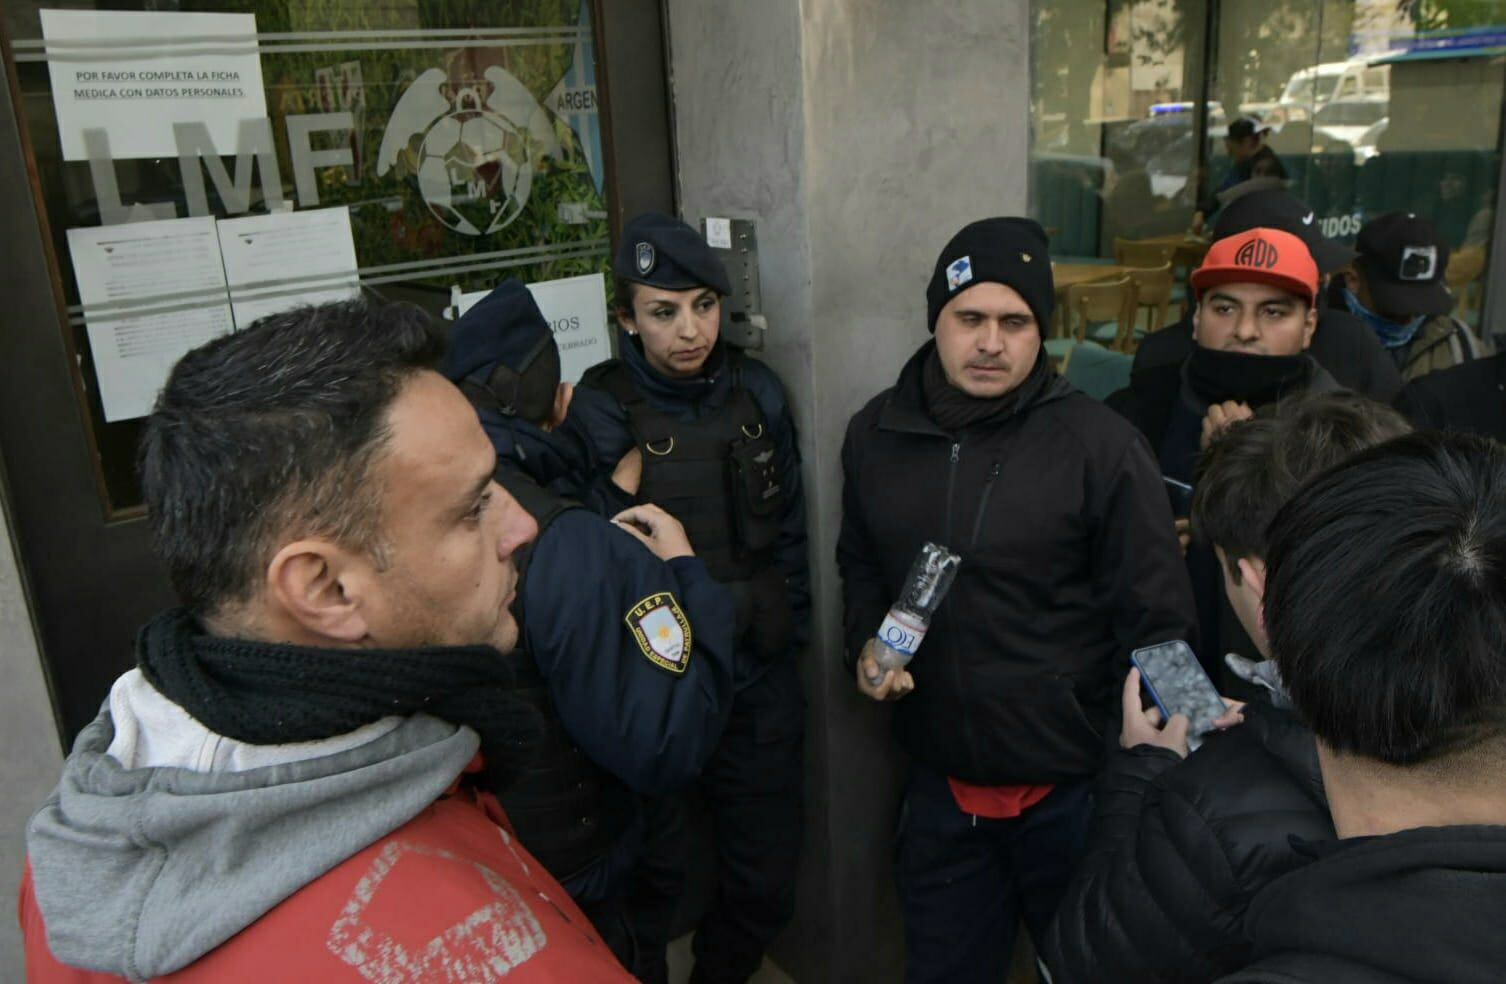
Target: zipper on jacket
<point>988,489</point>
<point>951,488</point>
<point>952,656</point>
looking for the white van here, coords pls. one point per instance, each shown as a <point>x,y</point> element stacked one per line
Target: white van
<point>1310,89</point>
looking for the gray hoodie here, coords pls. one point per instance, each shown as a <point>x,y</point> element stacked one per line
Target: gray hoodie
<point>140,872</point>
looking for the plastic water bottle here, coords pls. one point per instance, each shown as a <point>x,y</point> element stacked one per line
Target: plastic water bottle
<point>906,624</point>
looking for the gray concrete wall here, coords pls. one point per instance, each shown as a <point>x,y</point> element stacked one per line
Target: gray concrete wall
<point>31,755</point>
<point>860,134</point>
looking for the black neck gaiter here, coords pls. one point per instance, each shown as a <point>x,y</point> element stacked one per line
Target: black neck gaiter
<point>955,411</point>
<point>277,694</point>
<point>1216,376</point>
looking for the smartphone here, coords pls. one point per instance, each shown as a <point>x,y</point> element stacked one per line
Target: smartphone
<point>1181,496</point>
<point>1178,685</point>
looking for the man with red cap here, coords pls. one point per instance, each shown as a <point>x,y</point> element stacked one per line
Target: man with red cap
<point>1255,317</point>
<point>1254,321</point>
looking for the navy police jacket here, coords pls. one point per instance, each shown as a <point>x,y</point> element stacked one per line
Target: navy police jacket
<point>637,653</point>
<point>597,429</point>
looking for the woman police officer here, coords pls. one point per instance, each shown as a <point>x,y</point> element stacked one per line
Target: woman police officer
<point>689,423</point>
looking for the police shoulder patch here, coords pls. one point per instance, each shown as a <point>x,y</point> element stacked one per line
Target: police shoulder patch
<point>661,630</point>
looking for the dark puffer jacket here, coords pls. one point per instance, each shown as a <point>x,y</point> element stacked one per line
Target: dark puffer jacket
<point>1069,563</point>
<point>1181,848</point>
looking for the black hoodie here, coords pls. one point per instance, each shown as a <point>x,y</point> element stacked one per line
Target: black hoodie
<point>1069,563</point>
<point>1426,906</point>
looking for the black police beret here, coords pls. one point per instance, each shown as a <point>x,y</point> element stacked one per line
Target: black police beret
<point>504,328</point>
<point>664,252</point>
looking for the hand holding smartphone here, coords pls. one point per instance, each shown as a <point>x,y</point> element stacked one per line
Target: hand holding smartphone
<point>1178,685</point>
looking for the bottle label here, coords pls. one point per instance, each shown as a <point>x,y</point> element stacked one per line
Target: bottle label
<point>902,633</point>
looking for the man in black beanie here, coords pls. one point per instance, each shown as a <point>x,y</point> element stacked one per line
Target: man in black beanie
<point>1068,564</point>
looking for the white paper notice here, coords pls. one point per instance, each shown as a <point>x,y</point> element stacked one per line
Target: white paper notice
<point>719,233</point>
<point>134,74</point>
<point>576,309</point>
<point>279,261</point>
<point>151,291</point>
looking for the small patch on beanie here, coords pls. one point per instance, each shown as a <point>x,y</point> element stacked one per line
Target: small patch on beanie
<point>1025,257</point>
<point>959,272</point>
<point>645,257</point>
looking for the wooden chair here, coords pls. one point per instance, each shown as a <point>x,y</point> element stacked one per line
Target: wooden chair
<point>1153,289</point>
<point>1184,259</point>
<point>1138,253</point>
<point>1108,300</point>
<point>1465,267</point>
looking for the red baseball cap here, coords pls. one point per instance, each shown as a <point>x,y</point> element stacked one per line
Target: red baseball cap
<point>1261,256</point>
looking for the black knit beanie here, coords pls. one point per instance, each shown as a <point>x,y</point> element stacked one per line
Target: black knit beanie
<point>1011,251</point>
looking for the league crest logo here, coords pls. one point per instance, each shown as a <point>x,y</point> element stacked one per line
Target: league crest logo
<point>959,272</point>
<point>662,631</point>
<point>473,147</point>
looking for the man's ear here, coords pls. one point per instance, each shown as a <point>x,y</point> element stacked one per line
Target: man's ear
<point>319,587</point>
<point>1252,575</point>
<point>563,394</point>
<point>1310,325</point>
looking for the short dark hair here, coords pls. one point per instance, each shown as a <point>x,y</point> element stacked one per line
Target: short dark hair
<point>622,294</point>
<point>1253,467</point>
<point>271,432</point>
<point>1386,599</point>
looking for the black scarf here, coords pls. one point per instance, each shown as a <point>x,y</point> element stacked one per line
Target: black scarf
<point>955,411</point>
<point>1216,376</point>
<point>277,694</point>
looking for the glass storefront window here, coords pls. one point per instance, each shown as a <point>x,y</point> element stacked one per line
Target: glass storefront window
<point>1371,106</point>
<point>1377,107</point>
<point>1115,113</point>
<point>404,112</point>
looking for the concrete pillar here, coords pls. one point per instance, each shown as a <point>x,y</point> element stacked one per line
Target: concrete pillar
<point>859,134</point>
<point>28,734</point>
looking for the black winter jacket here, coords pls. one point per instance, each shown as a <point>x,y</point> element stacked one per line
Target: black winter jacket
<point>1161,405</point>
<point>1470,397</point>
<point>1069,563</point>
<point>1423,906</point>
<point>1180,847</point>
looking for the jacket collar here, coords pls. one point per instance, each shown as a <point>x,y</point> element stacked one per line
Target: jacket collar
<point>905,410</point>
<point>715,379</point>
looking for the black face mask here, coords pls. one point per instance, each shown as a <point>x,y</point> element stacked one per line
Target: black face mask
<point>1216,375</point>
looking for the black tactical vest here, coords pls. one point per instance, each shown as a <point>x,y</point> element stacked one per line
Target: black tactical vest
<point>566,809</point>
<point>718,476</point>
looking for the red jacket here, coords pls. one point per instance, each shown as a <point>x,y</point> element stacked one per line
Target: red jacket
<point>449,896</point>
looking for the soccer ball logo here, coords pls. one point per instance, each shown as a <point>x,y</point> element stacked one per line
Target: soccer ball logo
<point>473,148</point>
